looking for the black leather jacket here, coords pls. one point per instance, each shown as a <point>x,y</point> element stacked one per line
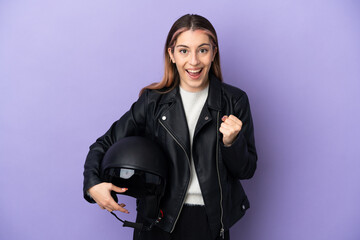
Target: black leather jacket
<point>161,117</point>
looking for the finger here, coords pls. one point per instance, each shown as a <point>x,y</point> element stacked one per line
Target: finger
<point>232,125</point>
<point>118,189</point>
<point>232,121</point>
<point>122,205</point>
<point>225,131</point>
<point>117,207</point>
<point>109,209</point>
<point>231,117</point>
<point>124,210</point>
<point>225,126</point>
<point>235,119</point>
<point>121,209</point>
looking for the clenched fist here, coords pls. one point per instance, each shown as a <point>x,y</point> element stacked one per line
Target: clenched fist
<point>230,128</point>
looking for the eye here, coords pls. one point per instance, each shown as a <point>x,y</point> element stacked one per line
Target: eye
<point>183,51</point>
<point>203,50</point>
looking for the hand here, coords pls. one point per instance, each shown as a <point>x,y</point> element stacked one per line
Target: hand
<point>230,128</point>
<point>101,193</point>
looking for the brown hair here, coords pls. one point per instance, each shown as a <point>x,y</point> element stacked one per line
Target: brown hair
<point>187,22</point>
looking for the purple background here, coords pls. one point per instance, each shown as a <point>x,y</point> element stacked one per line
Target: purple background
<point>68,69</point>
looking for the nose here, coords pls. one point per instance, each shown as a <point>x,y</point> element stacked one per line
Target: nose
<point>194,60</point>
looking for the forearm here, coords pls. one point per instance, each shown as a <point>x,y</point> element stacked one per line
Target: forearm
<point>240,158</point>
<point>130,124</point>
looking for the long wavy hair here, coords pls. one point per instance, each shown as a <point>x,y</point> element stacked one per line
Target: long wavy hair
<point>187,22</point>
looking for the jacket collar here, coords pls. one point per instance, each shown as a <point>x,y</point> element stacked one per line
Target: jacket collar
<point>214,96</point>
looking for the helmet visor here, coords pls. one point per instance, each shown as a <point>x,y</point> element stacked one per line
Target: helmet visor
<point>139,183</point>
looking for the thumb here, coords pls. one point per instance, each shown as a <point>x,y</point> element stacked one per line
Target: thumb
<point>118,189</point>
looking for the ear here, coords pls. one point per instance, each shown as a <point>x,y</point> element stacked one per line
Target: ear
<point>171,54</point>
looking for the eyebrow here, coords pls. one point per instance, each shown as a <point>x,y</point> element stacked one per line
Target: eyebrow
<point>204,44</point>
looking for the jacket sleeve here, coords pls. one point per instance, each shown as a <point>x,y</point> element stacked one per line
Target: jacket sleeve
<point>240,158</point>
<point>132,123</point>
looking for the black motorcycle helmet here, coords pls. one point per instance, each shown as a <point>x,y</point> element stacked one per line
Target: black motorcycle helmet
<point>140,165</point>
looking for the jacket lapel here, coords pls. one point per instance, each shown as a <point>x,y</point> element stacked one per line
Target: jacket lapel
<point>213,102</point>
<point>174,120</point>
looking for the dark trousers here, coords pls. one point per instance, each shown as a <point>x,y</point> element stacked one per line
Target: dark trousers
<point>191,225</point>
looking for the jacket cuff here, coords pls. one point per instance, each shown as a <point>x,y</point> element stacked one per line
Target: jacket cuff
<point>87,186</point>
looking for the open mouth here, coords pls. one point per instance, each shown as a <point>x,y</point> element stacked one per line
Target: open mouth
<point>194,73</point>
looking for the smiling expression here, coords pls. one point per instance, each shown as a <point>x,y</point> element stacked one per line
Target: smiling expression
<point>193,54</point>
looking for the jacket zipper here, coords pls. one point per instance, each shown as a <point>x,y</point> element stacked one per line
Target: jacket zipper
<point>218,173</point>
<point>182,204</point>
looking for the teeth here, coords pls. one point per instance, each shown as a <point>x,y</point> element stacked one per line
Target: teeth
<point>193,71</point>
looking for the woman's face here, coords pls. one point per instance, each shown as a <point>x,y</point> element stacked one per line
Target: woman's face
<point>193,55</point>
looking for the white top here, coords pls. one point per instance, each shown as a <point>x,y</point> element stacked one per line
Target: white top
<point>193,103</point>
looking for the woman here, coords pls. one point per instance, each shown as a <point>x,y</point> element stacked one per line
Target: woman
<point>205,128</point>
